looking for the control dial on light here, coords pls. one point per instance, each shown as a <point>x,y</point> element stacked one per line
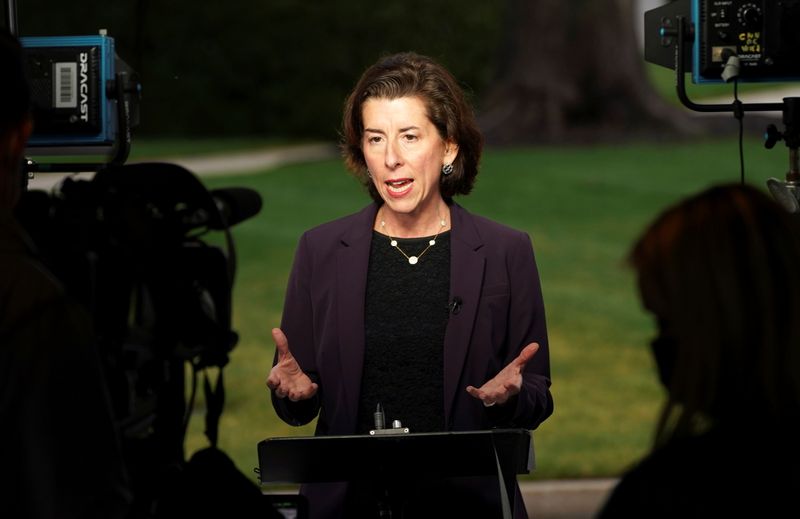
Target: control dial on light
<point>749,16</point>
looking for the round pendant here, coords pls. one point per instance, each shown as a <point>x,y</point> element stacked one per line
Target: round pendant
<point>413,260</point>
<point>432,243</point>
<point>393,243</point>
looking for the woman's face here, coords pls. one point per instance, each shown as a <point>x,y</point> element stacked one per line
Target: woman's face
<point>404,154</point>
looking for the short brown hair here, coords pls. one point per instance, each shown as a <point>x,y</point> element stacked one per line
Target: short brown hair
<point>409,74</point>
<point>719,272</point>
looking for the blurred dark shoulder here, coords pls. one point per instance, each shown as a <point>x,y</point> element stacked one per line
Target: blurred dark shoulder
<point>26,286</point>
<point>736,473</point>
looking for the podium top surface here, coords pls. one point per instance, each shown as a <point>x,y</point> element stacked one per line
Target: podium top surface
<point>309,459</point>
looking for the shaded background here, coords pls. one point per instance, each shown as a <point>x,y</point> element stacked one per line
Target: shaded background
<point>538,71</point>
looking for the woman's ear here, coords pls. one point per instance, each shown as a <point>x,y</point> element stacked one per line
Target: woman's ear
<point>12,152</point>
<point>17,138</point>
<point>450,151</point>
<point>25,133</point>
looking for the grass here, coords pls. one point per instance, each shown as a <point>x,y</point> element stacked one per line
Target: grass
<point>582,207</point>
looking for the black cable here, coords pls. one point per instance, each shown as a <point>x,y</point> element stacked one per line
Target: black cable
<point>738,112</point>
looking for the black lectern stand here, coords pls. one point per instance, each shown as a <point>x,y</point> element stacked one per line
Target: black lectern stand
<point>392,457</point>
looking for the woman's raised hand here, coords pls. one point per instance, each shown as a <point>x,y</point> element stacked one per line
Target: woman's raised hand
<point>286,378</point>
<point>507,383</point>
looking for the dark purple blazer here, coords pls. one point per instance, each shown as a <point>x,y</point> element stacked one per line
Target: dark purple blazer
<point>492,272</point>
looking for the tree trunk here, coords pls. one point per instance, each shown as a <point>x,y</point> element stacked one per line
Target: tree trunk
<point>573,71</point>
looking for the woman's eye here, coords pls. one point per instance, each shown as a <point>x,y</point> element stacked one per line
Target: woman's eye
<point>409,137</point>
<point>374,139</point>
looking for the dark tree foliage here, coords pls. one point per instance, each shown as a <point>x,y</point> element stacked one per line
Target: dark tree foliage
<point>278,68</point>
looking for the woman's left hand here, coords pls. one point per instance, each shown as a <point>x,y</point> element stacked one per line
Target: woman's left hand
<point>507,383</point>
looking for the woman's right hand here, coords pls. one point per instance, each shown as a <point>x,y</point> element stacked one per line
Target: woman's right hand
<point>286,378</point>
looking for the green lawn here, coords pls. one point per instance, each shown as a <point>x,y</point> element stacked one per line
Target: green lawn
<point>582,208</point>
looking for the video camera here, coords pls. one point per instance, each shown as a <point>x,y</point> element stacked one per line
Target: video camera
<point>130,245</point>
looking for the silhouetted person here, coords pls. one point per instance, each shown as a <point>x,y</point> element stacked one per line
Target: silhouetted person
<point>59,452</point>
<point>720,272</point>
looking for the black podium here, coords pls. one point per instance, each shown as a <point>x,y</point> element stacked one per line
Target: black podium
<point>497,452</point>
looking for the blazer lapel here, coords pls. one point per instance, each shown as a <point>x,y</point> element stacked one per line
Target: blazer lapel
<point>467,263</point>
<point>352,262</point>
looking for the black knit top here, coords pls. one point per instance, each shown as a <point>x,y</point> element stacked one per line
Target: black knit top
<point>405,319</point>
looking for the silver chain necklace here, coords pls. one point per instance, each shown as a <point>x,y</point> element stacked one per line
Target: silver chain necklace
<point>412,260</point>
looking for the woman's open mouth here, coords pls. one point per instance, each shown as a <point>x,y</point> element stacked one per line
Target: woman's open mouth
<point>399,187</point>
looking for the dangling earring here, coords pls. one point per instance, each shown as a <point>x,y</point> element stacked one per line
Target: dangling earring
<point>447,169</point>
